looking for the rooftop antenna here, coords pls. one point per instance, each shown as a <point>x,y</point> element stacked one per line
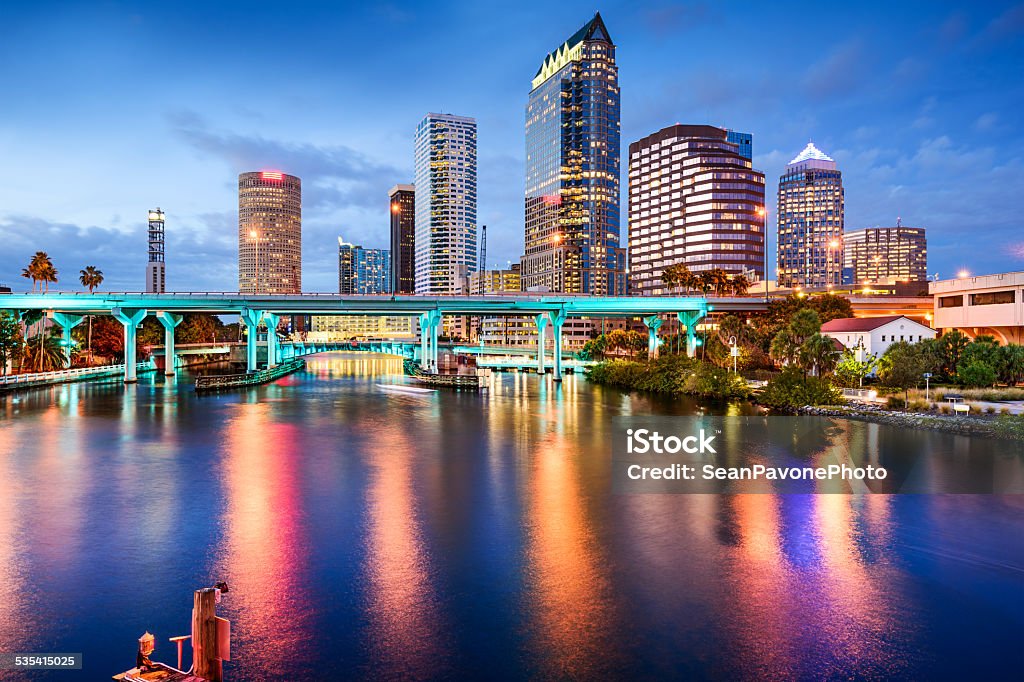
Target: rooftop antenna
<point>899,222</point>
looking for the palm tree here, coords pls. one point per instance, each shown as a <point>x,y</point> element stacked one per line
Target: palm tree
<point>670,277</point>
<point>718,279</point>
<point>819,353</point>
<point>91,277</point>
<point>740,285</point>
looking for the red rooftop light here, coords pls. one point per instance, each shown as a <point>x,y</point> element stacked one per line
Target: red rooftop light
<point>272,175</point>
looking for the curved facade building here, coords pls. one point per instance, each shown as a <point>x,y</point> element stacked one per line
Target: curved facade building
<point>693,200</point>
<point>269,233</point>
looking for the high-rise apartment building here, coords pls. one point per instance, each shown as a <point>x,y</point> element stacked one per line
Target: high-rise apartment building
<point>885,255</point>
<point>402,200</point>
<point>445,200</point>
<point>363,271</point>
<point>810,221</point>
<point>156,275</point>
<point>269,233</point>
<point>572,169</point>
<point>693,200</point>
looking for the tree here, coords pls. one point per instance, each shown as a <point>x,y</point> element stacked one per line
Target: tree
<point>975,374</point>
<point>984,349</point>
<point>740,285</point>
<point>107,337</point>
<point>902,366</point>
<point>851,372</point>
<point>1012,363</point>
<point>12,344</point>
<point>47,354</point>
<point>90,277</point>
<point>952,345</point>
<point>819,354</point>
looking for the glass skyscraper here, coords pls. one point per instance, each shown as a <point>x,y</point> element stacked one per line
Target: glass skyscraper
<point>445,200</point>
<point>573,168</point>
<point>363,271</point>
<point>885,255</point>
<point>744,141</point>
<point>403,238</point>
<point>269,233</point>
<point>810,220</point>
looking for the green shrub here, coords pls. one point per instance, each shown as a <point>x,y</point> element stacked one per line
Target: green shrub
<point>976,374</point>
<point>990,410</point>
<point>1005,410</point>
<point>895,403</point>
<point>670,374</point>
<point>715,382</point>
<point>945,409</point>
<point>920,406</point>
<point>792,389</point>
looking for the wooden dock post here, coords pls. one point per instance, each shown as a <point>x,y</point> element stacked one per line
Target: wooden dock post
<point>205,661</point>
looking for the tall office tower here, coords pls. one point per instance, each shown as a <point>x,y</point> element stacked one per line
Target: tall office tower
<point>403,238</point>
<point>693,200</point>
<point>745,142</point>
<point>445,203</point>
<point>885,255</point>
<point>572,169</point>
<point>269,233</point>
<point>810,221</point>
<point>156,276</point>
<point>363,271</point>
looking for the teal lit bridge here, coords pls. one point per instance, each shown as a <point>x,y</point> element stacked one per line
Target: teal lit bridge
<point>549,310</point>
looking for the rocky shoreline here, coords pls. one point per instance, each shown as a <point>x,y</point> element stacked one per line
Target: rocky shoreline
<point>962,425</point>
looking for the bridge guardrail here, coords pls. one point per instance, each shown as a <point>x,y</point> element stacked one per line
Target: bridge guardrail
<point>65,374</point>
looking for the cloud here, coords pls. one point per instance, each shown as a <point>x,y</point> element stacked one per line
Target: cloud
<point>1009,24</point>
<point>201,253</point>
<point>986,122</point>
<point>676,18</point>
<point>334,176</point>
<point>841,72</point>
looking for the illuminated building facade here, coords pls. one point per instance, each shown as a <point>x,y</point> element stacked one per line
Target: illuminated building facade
<point>269,233</point>
<point>402,201</point>
<point>572,169</point>
<point>363,271</point>
<point>156,275</point>
<point>810,221</point>
<point>347,327</point>
<point>693,200</point>
<point>885,255</point>
<point>445,201</point>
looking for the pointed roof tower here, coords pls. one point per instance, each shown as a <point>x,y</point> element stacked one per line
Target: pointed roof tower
<point>593,30</point>
<point>812,157</point>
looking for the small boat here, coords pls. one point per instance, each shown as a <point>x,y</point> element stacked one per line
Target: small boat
<point>402,388</point>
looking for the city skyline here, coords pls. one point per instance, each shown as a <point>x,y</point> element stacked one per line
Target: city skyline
<point>929,134</point>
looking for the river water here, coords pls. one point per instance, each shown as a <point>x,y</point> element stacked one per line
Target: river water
<point>367,533</point>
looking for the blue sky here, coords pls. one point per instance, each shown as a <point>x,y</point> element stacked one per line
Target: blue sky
<point>108,109</point>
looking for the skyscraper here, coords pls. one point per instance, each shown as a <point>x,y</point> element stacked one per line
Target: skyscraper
<point>810,221</point>
<point>445,200</point>
<point>403,238</point>
<point>269,233</point>
<point>572,169</point>
<point>693,199</point>
<point>885,255</point>
<point>156,276</point>
<point>363,271</point>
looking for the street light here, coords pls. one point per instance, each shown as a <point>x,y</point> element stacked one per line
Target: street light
<point>762,211</point>
<point>255,236</point>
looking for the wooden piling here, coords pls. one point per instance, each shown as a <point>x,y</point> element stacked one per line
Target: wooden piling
<point>205,661</point>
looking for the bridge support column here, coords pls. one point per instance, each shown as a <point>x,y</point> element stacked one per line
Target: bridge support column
<point>424,338</point>
<point>542,326</point>
<point>273,349</point>
<point>653,324</point>
<point>169,322</point>
<point>251,319</point>
<point>67,322</point>
<point>557,320</point>
<point>690,319</point>
<point>435,323</point>
<point>131,318</point>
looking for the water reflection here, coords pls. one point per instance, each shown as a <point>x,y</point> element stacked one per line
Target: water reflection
<point>265,549</point>
<point>405,620</point>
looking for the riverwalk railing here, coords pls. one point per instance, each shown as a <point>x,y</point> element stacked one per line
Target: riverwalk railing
<point>216,382</point>
<point>67,375</point>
